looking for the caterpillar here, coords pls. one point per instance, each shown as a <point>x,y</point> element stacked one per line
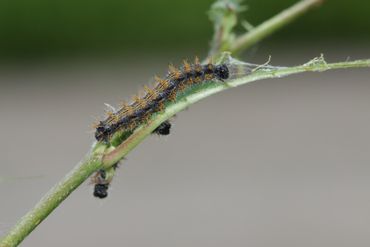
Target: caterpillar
<point>130,116</point>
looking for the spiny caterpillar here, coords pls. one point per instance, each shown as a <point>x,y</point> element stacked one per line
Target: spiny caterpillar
<point>139,111</point>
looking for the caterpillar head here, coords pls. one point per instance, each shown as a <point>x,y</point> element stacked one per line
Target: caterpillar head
<point>222,72</point>
<point>101,132</point>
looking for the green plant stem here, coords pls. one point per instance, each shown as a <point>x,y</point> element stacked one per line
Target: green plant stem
<point>270,26</point>
<point>141,133</point>
<point>53,198</point>
<point>101,157</point>
<point>95,160</point>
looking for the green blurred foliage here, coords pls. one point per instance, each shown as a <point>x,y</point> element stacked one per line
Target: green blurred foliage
<point>39,27</point>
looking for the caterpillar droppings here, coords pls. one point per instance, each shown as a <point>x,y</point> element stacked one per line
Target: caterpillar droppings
<point>163,129</point>
<point>101,185</point>
<point>101,190</point>
<point>102,180</point>
<point>131,115</point>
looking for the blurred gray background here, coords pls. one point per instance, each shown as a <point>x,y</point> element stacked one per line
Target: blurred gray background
<point>280,162</point>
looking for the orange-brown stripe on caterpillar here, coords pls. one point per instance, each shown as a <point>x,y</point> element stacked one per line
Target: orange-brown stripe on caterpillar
<point>165,90</point>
